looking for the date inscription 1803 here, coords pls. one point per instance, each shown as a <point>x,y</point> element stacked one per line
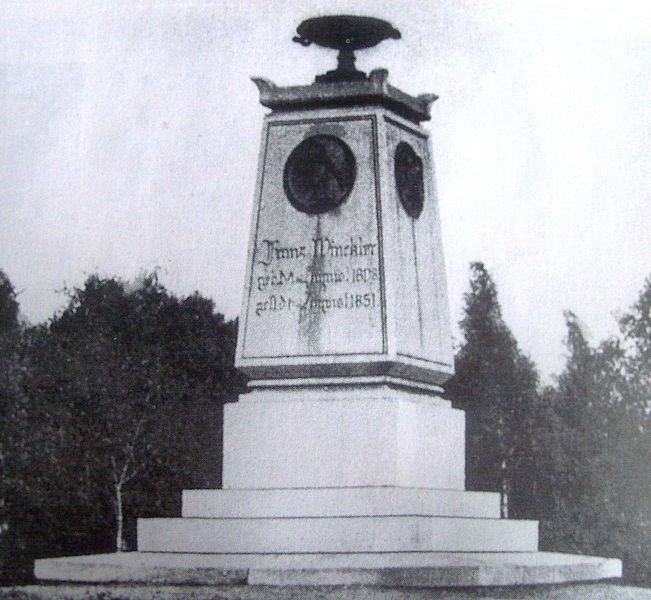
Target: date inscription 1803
<point>321,275</point>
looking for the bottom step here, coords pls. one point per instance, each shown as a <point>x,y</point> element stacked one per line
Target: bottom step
<point>397,569</point>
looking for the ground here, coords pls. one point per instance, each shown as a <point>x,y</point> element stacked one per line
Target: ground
<point>594,591</point>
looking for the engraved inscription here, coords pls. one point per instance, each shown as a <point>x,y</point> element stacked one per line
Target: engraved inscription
<point>273,250</point>
<point>316,276</point>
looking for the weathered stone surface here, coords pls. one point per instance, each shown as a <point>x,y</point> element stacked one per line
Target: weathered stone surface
<point>374,91</point>
<point>141,567</point>
<point>411,569</point>
<point>357,290</point>
<point>402,440</point>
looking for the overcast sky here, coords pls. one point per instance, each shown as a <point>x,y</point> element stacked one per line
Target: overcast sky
<point>129,136</point>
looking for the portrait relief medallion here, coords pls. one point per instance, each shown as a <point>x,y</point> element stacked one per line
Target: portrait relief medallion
<point>409,179</point>
<point>319,174</point>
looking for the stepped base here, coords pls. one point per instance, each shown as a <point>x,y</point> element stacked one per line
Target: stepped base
<point>404,569</point>
<point>344,520</point>
<point>378,536</point>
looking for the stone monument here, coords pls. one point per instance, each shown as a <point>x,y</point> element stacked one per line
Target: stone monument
<point>343,464</point>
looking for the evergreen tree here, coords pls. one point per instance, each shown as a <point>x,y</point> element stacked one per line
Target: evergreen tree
<point>635,327</point>
<point>602,475</point>
<point>577,398</point>
<point>8,305</point>
<point>14,428</point>
<point>496,384</point>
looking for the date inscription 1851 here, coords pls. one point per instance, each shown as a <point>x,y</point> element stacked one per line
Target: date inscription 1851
<point>321,275</point>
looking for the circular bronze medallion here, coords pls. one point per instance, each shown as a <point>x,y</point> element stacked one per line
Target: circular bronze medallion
<point>319,174</point>
<point>409,179</point>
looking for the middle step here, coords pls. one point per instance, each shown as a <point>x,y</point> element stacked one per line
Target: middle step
<point>336,534</point>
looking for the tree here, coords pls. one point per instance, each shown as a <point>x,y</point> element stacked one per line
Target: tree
<point>578,400</point>
<point>602,473</point>
<point>8,305</point>
<point>497,386</point>
<point>122,398</point>
<point>139,361</point>
<point>9,368</point>
<point>15,445</point>
<point>635,327</point>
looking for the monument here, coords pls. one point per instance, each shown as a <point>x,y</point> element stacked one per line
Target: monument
<point>344,463</point>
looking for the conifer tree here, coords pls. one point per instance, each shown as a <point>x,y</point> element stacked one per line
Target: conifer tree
<point>496,384</point>
<point>603,477</point>
<point>14,428</point>
<point>8,305</point>
<point>635,327</point>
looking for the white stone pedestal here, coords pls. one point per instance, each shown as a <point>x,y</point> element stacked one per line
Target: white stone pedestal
<point>357,438</point>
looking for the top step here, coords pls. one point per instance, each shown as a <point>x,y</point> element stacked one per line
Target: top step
<point>339,502</point>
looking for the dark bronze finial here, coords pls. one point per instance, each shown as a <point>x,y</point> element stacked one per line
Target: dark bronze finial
<point>345,33</point>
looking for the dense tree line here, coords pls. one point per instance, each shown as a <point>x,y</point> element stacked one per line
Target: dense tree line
<point>576,454</point>
<point>108,411</point>
<point>113,406</point>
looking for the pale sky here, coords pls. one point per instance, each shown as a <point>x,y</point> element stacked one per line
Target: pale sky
<point>129,135</point>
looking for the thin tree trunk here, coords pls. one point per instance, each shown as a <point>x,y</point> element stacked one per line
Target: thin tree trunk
<point>504,495</point>
<point>120,478</point>
<point>119,519</point>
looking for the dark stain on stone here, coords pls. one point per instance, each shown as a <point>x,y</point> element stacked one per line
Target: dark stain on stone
<point>418,298</point>
<point>326,129</point>
<point>310,313</point>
